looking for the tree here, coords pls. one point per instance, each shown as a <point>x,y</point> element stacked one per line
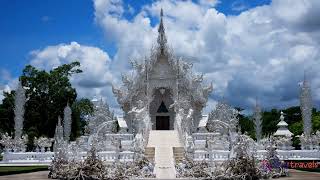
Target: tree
<point>246,124</point>
<point>270,120</point>
<point>315,120</point>
<point>80,109</point>
<point>47,93</point>
<point>7,113</point>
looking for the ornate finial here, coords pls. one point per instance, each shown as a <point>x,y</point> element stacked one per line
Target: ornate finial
<point>162,40</point>
<point>281,116</point>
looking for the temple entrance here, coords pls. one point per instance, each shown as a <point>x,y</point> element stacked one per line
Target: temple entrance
<point>162,116</point>
<point>162,122</point>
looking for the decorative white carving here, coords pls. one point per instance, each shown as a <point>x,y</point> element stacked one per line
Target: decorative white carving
<point>102,121</point>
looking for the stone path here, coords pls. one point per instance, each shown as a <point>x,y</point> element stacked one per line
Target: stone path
<point>302,175</point>
<point>40,175</point>
<point>163,141</point>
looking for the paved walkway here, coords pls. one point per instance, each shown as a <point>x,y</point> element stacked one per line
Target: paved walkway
<point>40,175</point>
<point>163,141</point>
<point>301,175</point>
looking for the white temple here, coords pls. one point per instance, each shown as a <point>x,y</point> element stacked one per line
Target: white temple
<point>165,88</point>
<point>162,120</point>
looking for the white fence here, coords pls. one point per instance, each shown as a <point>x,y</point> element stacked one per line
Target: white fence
<point>124,136</point>
<point>46,157</point>
<point>27,157</point>
<point>204,136</point>
<point>221,155</point>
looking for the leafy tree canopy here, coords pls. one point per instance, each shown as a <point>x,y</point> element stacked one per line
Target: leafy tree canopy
<point>47,95</point>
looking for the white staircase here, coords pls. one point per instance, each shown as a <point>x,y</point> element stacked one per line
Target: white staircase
<point>164,141</point>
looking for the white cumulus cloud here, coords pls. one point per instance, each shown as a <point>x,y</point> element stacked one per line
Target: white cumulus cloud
<point>262,52</point>
<point>96,78</point>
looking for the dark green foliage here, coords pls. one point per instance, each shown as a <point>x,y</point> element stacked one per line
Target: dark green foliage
<point>80,109</point>
<point>297,129</point>
<point>270,120</point>
<point>47,95</point>
<point>7,113</point>
<point>247,125</point>
<point>315,120</point>
<point>292,114</point>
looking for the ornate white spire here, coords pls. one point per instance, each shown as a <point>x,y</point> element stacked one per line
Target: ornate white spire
<point>67,122</point>
<point>59,129</point>
<point>257,120</point>
<point>306,106</point>
<point>19,102</point>
<point>58,135</point>
<point>162,40</point>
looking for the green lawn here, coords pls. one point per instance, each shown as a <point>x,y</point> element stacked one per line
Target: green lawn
<point>6,170</point>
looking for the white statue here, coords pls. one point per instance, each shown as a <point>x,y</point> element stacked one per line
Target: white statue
<point>138,143</point>
<point>7,142</point>
<point>189,144</point>
<point>140,122</point>
<point>43,143</point>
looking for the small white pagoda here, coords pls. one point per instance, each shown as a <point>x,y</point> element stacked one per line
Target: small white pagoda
<point>283,135</point>
<point>282,128</point>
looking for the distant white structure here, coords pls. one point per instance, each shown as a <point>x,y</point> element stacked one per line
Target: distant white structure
<point>257,121</point>
<point>67,120</point>
<point>58,135</point>
<point>283,135</point>
<point>19,102</point>
<point>306,106</point>
<point>282,127</point>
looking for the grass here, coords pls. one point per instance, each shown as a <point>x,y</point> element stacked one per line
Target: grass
<point>7,170</point>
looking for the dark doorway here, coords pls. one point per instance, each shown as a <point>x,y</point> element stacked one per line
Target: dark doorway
<point>162,122</point>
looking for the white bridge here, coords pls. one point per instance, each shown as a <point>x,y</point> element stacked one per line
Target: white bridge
<point>45,158</point>
<point>163,141</point>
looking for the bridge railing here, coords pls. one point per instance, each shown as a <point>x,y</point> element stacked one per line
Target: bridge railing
<point>47,157</point>
<point>221,155</point>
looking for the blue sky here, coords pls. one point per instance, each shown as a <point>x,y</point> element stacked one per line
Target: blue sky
<point>34,24</point>
<point>29,25</point>
<point>247,48</point>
